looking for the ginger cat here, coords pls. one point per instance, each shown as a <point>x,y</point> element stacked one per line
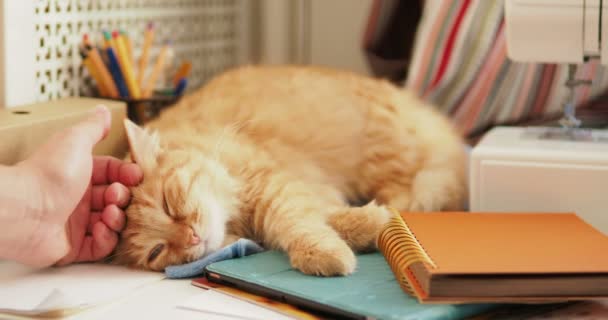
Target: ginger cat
<point>277,154</point>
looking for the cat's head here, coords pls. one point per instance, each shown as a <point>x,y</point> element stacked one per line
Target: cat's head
<point>179,212</point>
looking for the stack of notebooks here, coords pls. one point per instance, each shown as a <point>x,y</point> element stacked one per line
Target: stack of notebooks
<point>443,266</point>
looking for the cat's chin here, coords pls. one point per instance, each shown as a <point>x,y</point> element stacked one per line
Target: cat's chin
<point>207,246</point>
<point>212,242</point>
<point>200,251</point>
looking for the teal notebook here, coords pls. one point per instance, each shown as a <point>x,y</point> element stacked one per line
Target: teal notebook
<point>370,293</point>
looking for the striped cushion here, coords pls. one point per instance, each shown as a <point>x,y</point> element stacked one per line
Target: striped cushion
<point>460,64</point>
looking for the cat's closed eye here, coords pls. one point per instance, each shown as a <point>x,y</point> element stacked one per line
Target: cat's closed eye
<point>155,252</point>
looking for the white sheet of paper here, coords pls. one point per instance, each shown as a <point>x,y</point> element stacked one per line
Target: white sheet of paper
<point>25,290</point>
<point>216,303</point>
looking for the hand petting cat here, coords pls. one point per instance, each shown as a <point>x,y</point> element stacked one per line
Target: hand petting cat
<point>63,205</point>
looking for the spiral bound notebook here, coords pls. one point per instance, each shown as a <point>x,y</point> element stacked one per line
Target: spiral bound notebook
<point>496,257</point>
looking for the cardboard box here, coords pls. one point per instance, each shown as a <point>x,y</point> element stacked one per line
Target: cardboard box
<point>24,128</point>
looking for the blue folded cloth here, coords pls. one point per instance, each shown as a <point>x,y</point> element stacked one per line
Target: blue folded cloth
<point>241,248</point>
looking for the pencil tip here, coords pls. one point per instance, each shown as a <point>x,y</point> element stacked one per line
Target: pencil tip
<point>82,51</point>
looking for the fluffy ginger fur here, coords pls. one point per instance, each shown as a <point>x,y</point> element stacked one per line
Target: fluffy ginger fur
<point>277,155</point>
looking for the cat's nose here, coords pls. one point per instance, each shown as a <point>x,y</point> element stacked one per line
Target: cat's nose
<point>194,239</point>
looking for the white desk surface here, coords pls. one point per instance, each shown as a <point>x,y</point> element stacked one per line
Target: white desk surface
<point>161,299</point>
<point>154,301</point>
<point>157,299</point>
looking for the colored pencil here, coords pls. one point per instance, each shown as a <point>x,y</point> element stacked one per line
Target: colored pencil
<point>129,45</point>
<point>143,60</point>
<point>182,72</point>
<point>158,68</point>
<point>109,42</point>
<point>100,45</point>
<point>181,86</point>
<point>114,67</point>
<point>105,82</point>
<point>93,72</point>
<point>86,40</point>
<point>125,66</point>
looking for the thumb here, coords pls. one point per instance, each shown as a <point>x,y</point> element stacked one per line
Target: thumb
<point>95,127</point>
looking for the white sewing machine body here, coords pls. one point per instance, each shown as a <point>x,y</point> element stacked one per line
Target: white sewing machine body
<point>515,169</point>
<point>556,31</point>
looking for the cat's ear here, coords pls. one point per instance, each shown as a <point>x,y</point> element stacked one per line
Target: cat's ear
<point>144,146</point>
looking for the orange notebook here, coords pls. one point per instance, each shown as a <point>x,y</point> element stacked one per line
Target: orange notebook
<point>461,257</point>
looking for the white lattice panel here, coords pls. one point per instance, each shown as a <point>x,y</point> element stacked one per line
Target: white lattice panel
<point>209,33</point>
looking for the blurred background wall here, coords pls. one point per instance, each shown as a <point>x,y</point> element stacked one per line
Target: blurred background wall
<point>39,40</point>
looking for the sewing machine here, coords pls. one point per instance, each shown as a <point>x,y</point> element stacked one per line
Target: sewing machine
<point>563,168</point>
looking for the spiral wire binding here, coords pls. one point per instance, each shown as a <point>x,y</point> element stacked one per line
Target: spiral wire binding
<point>401,249</point>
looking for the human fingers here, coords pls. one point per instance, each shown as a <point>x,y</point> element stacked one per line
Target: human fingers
<point>93,219</point>
<point>107,169</point>
<point>114,218</point>
<point>116,193</point>
<point>99,244</point>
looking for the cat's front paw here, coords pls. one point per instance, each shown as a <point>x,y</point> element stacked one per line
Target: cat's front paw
<point>323,259</point>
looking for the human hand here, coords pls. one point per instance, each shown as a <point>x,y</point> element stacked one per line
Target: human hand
<point>81,197</point>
